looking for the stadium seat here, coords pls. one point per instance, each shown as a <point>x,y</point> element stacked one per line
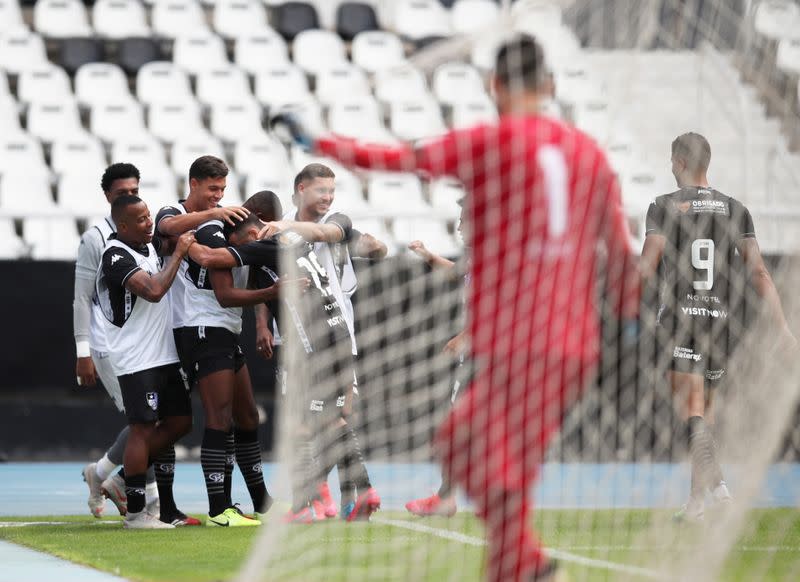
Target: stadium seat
<point>307,109</point>
<point>292,18</point>
<point>158,188</point>
<point>593,118</point>
<point>53,119</point>
<point>537,18</point>
<point>61,18</point>
<point>469,113</point>
<point>118,19</point>
<point>10,16</point>
<point>280,84</point>
<point>340,79</point>
<point>445,194</point>
<point>358,117</point>
<point>20,151</point>
<point>232,18</point>
<point>258,151</point>
<point>400,83</point>
<point>169,121</point>
<point>377,228</point>
<point>788,57</point>
<point>47,81</point>
<point>75,52</point>
<point>484,51</point>
<point>574,84</point>
<point>377,51</point>
<point>431,231</point>
<point>191,146</point>
<point>233,121</point>
<point>199,52</point>
<point>353,18</point>
<point>162,81</point>
<point>134,53</point>
<point>78,150</point>
<point>254,52</point>
<point>418,19</point>
<point>420,119</point>
<point>279,182</point>
<point>22,51</point>
<point>224,86</point>
<point>396,194</point>
<point>11,246</point>
<point>316,50</point>
<point>100,82</point>
<point>9,114</point>
<point>777,19</point>
<point>142,150</point>
<point>26,193</point>
<point>5,91</point>
<point>52,238</point>
<point>472,15</point>
<point>79,191</point>
<point>175,18</point>
<point>457,82</point>
<point>111,121</point>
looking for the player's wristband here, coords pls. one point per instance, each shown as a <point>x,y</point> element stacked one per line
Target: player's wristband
<point>82,349</point>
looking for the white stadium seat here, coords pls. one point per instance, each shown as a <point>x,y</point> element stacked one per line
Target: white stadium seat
<point>430,231</point>
<point>199,52</point>
<point>777,19</point>
<point>233,121</point>
<point>22,50</point>
<point>116,19</point>
<point>26,193</point>
<point>377,50</point>
<point>456,82</point>
<point>169,121</point>
<point>21,151</point>
<point>280,84</point>
<point>308,110</point>
<point>97,83</point>
<point>400,83</point>
<point>445,194</point>
<point>11,246</point>
<point>470,113</point>
<point>259,150</point>
<point>161,81</point>
<point>314,50</point>
<point>536,17</point>
<point>61,18</point>
<point>49,120</point>
<point>396,194</point>
<point>358,117</point>
<point>279,182</point>
<point>79,192</point>
<point>142,149</point>
<point>110,121</point>
<point>158,188</point>
<point>223,86</point>
<point>10,15</point>
<point>377,228</point>
<point>233,18</point>
<point>472,15</point>
<point>593,118</point>
<point>788,57</point>
<point>47,81</point>
<point>54,239</point>
<point>340,79</point>
<point>78,150</point>
<point>416,19</point>
<point>254,52</point>
<point>191,146</point>
<point>412,120</point>
<point>9,114</point>
<point>174,18</point>
<point>484,51</point>
<point>5,91</point>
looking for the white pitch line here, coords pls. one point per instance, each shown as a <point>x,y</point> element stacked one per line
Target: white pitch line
<point>557,554</point>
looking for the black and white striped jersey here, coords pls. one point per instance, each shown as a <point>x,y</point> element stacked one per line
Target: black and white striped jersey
<point>138,332</point>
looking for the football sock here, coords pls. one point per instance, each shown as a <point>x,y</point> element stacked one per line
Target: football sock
<point>705,467</point>
<point>354,458</point>
<point>248,456</point>
<point>302,474</point>
<point>445,489</point>
<point>230,461</point>
<point>134,489</point>
<point>117,450</point>
<point>212,459</point>
<point>164,465</point>
<point>337,455</point>
<point>104,467</point>
<point>151,474</point>
<point>151,492</point>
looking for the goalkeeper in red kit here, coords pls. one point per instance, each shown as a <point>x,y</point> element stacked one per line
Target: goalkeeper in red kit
<point>541,201</point>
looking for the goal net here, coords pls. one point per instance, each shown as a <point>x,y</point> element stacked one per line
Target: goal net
<point>641,441</point>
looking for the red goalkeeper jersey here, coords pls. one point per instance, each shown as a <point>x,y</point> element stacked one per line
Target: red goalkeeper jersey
<point>542,203</point>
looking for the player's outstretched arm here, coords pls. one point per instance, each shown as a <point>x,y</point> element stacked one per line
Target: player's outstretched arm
<point>219,258</point>
<point>228,295</point>
<point>434,261</point>
<point>153,287</point>
<point>310,231</point>
<point>174,225</point>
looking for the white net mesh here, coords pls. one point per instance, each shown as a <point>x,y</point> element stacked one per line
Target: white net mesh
<point>625,457</point>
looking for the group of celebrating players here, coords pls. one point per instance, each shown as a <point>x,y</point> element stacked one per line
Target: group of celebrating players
<point>541,198</point>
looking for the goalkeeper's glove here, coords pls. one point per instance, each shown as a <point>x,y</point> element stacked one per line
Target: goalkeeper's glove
<point>290,129</point>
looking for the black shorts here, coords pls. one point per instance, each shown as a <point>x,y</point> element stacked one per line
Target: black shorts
<point>155,393</point>
<point>211,349</point>
<point>181,336</point>
<point>322,383</point>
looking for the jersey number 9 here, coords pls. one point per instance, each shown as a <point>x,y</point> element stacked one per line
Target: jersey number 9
<point>701,247</point>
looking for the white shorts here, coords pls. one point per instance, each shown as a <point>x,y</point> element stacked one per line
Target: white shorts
<point>102,364</point>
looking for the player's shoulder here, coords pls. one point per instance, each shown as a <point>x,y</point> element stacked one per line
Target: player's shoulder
<point>211,226</point>
<point>116,251</point>
<point>170,210</point>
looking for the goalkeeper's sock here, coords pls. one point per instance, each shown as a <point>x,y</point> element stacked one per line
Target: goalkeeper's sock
<point>248,456</point>
<point>303,474</point>
<point>230,461</point>
<point>212,459</point>
<point>164,466</point>
<point>514,553</point>
<point>705,467</point>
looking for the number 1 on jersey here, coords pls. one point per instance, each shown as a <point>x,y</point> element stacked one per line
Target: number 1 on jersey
<point>703,264</point>
<point>554,168</point>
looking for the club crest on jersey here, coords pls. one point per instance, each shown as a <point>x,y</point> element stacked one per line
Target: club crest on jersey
<point>152,400</point>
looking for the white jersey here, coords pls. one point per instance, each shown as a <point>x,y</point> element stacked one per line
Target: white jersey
<point>177,292</point>
<point>201,307</point>
<point>139,333</point>
<point>97,328</point>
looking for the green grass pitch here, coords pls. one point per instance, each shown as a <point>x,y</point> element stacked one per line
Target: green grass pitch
<point>426,550</point>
